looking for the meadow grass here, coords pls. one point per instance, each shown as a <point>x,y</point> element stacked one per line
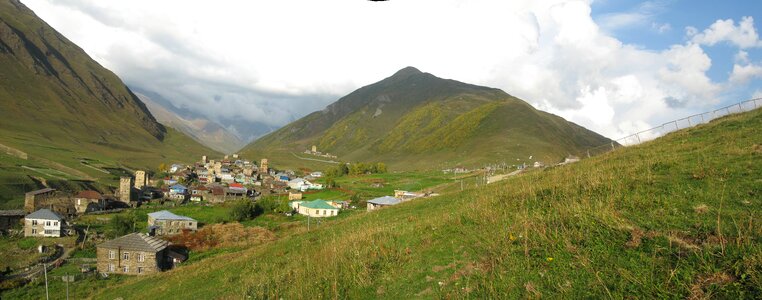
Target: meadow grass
<point>673,218</point>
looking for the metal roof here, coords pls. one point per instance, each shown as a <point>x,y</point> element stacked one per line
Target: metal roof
<point>385,200</point>
<point>317,204</point>
<point>167,215</point>
<point>136,242</point>
<point>44,214</point>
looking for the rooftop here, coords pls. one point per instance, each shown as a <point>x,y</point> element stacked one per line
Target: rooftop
<point>136,241</point>
<point>88,195</point>
<point>385,200</point>
<point>41,191</point>
<point>44,214</point>
<point>12,213</point>
<point>317,204</point>
<point>167,215</point>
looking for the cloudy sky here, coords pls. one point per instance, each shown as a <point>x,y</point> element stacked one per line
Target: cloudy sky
<point>614,66</point>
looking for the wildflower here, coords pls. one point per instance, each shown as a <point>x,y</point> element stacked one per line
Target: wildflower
<point>511,237</point>
<point>549,259</point>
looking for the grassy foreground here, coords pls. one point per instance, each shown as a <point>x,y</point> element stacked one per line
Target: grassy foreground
<point>673,218</point>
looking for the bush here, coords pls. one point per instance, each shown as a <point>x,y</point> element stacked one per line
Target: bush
<point>122,224</point>
<point>245,210</point>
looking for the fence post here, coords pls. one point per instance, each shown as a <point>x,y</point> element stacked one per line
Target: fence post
<point>689,122</point>
<point>637,135</point>
<point>588,153</point>
<point>612,145</point>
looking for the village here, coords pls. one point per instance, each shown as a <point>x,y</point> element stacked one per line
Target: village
<point>150,244</point>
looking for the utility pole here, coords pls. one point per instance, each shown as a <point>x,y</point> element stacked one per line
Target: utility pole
<point>308,222</point>
<point>45,269</point>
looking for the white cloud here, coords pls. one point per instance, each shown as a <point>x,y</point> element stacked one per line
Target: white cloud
<point>274,61</point>
<point>742,57</point>
<point>744,35</point>
<point>743,73</point>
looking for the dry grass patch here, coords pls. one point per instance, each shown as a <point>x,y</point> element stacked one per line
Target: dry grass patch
<point>223,236</point>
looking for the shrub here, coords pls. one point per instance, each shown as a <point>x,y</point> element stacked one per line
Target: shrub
<point>245,210</point>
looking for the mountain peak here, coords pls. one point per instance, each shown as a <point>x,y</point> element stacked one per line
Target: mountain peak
<point>406,72</point>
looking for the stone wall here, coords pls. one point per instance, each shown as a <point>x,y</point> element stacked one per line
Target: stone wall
<point>152,262</point>
<point>171,227</point>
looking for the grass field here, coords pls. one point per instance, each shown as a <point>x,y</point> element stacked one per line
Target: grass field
<point>673,218</point>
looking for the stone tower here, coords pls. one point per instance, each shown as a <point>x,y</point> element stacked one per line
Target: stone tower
<point>263,166</point>
<point>314,148</point>
<point>140,179</point>
<point>218,168</point>
<point>203,159</point>
<point>125,189</point>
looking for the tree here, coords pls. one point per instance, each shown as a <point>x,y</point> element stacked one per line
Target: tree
<point>330,182</point>
<point>122,224</point>
<point>381,167</point>
<point>244,210</point>
<point>162,168</point>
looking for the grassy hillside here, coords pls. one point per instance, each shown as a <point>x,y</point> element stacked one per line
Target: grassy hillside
<point>673,218</point>
<point>64,117</point>
<point>413,115</point>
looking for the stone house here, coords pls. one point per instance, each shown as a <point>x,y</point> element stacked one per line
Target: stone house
<point>87,201</point>
<point>43,223</point>
<point>10,218</point>
<point>294,195</point>
<point>166,223</point>
<point>382,202</point>
<point>133,254</point>
<point>32,199</point>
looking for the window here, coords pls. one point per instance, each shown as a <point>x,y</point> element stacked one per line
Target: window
<point>111,267</point>
<point>47,223</point>
<point>34,231</point>
<point>79,201</point>
<point>190,223</point>
<point>141,257</point>
<point>48,231</point>
<point>111,254</point>
<point>140,270</point>
<point>126,256</point>
<point>126,269</point>
<point>34,222</point>
<point>55,223</point>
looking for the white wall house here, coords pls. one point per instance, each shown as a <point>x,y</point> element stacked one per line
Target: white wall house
<point>43,223</point>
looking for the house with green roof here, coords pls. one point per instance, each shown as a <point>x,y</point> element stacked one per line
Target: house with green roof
<point>316,208</point>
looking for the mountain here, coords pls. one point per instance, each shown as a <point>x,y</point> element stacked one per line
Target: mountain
<point>243,129</point>
<point>417,120</point>
<point>204,131</point>
<point>65,117</point>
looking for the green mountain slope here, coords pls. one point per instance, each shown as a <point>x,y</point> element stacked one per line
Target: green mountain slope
<point>58,108</point>
<point>676,217</point>
<point>415,120</point>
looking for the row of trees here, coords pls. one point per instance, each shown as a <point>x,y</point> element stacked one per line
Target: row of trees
<point>356,169</point>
